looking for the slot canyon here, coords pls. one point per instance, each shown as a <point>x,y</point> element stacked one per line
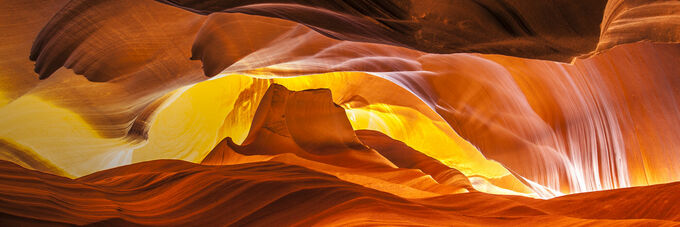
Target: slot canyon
<point>340,113</point>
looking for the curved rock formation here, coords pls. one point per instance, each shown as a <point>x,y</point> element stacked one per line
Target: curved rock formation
<point>81,37</point>
<point>20,23</point>
<point>306,128</point>
<point>433,98</point>
<point>167,192</point>
<point>557,30</point>
<point>218,113</point>
<point>627,21</point>
<point>515,114</point>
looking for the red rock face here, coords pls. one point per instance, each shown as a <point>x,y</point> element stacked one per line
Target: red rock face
<point>389,112</point>
<point>278,178</point>
<point>306,128</point>
<point>273,193</point>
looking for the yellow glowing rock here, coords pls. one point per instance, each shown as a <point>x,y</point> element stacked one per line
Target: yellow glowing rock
<point>193,123</point>
<point>60,137</point>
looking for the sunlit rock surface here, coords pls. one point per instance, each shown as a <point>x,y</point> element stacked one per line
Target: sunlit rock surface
<point>306,128</point>
<point>420,102</point>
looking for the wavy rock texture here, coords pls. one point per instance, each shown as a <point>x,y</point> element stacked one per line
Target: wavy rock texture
<point>143,51</point>
<point>492,102</point>
<point>282,48</point>
<point>487,103</point>
<point>229,113</point>
<point>556,30</point>
<point>627,21</point>
<point>435,100</point>
<point>306,128</point>
<point>20,22</point>
<point>102,55</point>
<point>261,193</point>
